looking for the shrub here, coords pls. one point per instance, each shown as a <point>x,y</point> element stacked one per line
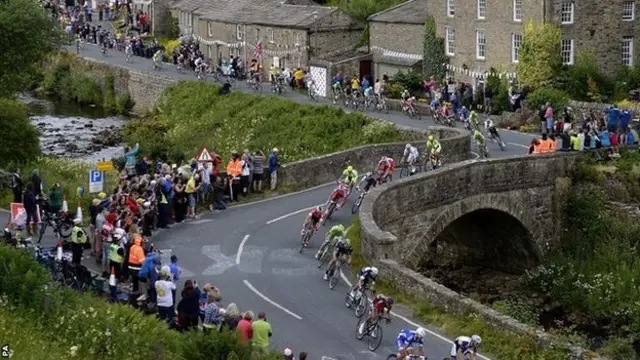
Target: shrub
<point>170,46</point>
<point>109,103</point>
<point>20,142</point>
<point>191,115</point>
<point>584,82</point>
<point>84,91</point>
<point>393,91</point>
<point>124,103</point>
<point>500,101</point>
<point>557,98</point>
<point>173,28</point>
<point>409,80</point>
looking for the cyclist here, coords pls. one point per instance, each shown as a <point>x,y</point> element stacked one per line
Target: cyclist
<point>411,155</point>
<point>342,251</point>
<point>463,114</point>
<point>478,138</point>
<point>473,119</point>
<point>336,231</point>
<point>339,195</point>
<point>349,176</point>
<point>445,112</point>
<point>157,59</point>
<point>314,217</point>
<point>465,345</point>
<point>381,307</point>
<point>493,131</point>
<point>384,168</point>
<point>434,148</point>
<point>366,279</point>
<point>370,179</point>
<point>406,341</point>
<point>128,50</point>
<point>408,100</point>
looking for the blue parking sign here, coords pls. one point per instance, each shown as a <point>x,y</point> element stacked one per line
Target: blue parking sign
<point>96,181</point>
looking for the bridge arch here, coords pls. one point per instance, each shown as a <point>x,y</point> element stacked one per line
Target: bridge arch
<point>494,230</point>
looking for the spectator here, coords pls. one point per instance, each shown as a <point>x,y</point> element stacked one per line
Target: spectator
<point>245,327</point>
<point>136,260</point>
<point>212,316</point>
<point>246,172</point>
<point>274,163</point>
<point>179,199</point>
<point>55,199</point>
<point>16,186</point>
<point>30,207</point>
<point>548,116</point>
<point>164,287</point>
<point>258,170</point>
<point>188,308</point>
<point>234,172</point>
<point>262,332</point>
<point>130,155</point>
<point>232,317</point>
<point>36,183</point>
<point>218,194</point>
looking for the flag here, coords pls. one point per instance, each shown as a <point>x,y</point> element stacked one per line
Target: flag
<point>257,51</point>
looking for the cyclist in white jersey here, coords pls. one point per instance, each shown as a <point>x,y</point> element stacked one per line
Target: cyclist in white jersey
<point>465,345</point>
<point>411,155</point>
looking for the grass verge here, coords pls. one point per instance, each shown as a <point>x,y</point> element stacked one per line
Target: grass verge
<point>496,344</point>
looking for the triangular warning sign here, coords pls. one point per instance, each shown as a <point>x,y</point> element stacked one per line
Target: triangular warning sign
<point>205,156</point>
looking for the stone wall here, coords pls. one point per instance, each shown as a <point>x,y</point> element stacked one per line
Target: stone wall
<point>144,88</point>
<point>327,168</point>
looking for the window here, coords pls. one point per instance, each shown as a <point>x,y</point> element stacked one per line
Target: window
<point>482,9</point>
<point>516,41</point>
<point>296,38</point>
<point>628,11</point>
<point>627,50</point>
<point>209,29</point>
<point>481,45</point>
<point>566,12</point>
<point>567,52</point>
<point>270,34</point>
<point>257,35</point>
<point>450,45</point>
<point>517,10</point>
<point>210,51</point>
<point>451,8</point>
<point>239,32</point>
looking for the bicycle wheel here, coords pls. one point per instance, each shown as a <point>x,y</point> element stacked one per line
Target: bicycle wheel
<point>323,257</point>
<point>360,334</point>
<point>404,172</point>
<point>374,337</point>
<point>302,240</point>
<point>333,280</point>
<point>43,228</point>
<point>356,205</point>
<point>330,210</point>
<point>64,230</point>
<point>362,305</point>
<point>392,357</point>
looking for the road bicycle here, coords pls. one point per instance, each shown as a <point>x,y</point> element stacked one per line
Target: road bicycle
<point>356,205</point>
<point>325,253</point>
<point>406,169</point>
<point>411,111</point>
<point>62,225</point>
<point>306,237</point>
<point>359,301</point>
<point>334,272</point>
<point>372,331</point>
<point>381,105</point>
<point>483,151</point>
<point>493,133</point>
<point>330,210</point>
<point>255,85</point>
<point>311,92</point>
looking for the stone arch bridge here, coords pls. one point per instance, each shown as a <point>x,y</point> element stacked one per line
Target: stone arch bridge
<point>498,213</point>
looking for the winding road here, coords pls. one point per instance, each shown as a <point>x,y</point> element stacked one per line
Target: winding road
<point>251,253</point>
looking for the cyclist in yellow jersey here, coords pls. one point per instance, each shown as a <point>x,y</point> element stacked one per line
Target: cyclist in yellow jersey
<point>349,176</point>
<point>434,148</point>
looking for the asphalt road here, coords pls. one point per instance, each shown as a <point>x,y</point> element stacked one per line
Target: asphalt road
<point>251,253</point>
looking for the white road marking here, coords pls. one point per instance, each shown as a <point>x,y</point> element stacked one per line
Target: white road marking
<point>327,358</point>
<point>265,298</point>
<point>221,262</point>
<point>290,214</point>
<point>5,211</point>
<point>165,258</point>
<point>203,221</point>
<point>477,156</point>
<point>518,145</point>
<point>282,196</point>
<point>344,278</point>
<point>240,248</point>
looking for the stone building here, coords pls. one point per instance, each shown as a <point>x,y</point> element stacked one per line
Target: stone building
<point>289,32</point>
<point>483,34</point>
<point>395,37</point>
<point>608,28</point>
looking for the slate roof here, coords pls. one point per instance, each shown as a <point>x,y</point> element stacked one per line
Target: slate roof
<point>410,12</point>
<point>285,13</point>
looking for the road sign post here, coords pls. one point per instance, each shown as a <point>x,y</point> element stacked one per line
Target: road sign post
<point>96,181</point>
<point>104,166</point>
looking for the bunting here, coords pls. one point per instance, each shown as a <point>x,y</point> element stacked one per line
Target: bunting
<point>297,50</point>
<point>479,74</point>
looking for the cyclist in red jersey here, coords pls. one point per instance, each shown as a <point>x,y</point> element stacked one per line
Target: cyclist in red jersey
<point>385,167</point>
<point>339,195</point>
<point>313,219</point>
<point>381,307</point>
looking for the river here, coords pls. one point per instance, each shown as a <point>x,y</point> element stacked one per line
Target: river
<point>76,132</point>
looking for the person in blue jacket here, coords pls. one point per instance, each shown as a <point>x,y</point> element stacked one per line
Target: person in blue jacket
<point>149,273</point>
<point>613,114</point>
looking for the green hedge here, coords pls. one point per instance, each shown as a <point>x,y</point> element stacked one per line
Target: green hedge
<point>191,114</point>
<point>88,327</point>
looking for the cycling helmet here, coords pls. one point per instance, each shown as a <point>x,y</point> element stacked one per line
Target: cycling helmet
<point>374,270</point>
<point>340,226</point>
<point>408,146</point>
<point>476,339</point>
<point>430,137</point>
<point>384,158</point>
<point>421,332</point>
<point>368,174</point>
<point>349,168</point>
<point>318,208</point>
<point>389,301</point>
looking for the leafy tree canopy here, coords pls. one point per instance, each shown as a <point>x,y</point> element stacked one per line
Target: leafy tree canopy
<point>433,52</point>
<point>27,35</point>
<point>20,142</point>
<point>539,55</point>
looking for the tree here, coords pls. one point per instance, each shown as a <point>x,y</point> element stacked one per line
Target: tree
<point>539,55</point>
<point>28,34</point>
<point>434,57</point>
<point>20,142</point>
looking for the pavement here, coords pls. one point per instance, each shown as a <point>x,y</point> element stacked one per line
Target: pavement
<point>251,253</point>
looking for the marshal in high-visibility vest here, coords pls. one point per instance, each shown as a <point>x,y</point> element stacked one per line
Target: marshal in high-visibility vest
<point>78,235</point>
<point>113,254</point>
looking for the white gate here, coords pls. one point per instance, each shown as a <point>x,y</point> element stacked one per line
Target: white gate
<point>319,76</point>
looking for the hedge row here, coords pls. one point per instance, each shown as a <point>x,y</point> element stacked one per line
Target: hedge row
<point>88,327</point>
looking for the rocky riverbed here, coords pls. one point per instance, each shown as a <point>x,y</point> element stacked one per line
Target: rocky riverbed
<point>75,133</point>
